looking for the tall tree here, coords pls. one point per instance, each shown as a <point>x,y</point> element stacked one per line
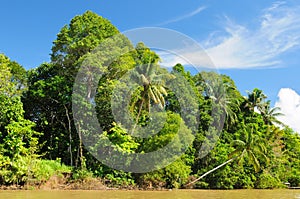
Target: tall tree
<point>255,100</point>
<point>222,91</point>
<point>18,140</point>
<point>151,78</point>
<point>48,100</point>
<point>270,115</point>
<point>83,34</point>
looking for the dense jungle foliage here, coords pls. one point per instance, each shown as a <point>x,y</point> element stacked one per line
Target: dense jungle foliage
<point>40,137</point>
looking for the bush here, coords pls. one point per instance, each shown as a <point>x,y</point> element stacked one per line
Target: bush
<point>119,179</point>
<point>81,175</point>
<point>44,169</point>
<point>267,181</point>
<point>173,176</point>
<point>13,171</point>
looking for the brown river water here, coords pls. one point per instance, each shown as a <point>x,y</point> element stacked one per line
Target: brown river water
<point>174,194</point>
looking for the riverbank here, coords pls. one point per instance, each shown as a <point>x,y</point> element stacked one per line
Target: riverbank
<point>61,183</point>
<point>66,182</point>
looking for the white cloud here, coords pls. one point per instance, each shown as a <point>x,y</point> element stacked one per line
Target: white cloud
<point>277,32</point>
<point>193,13</point>
<point>289,103</point>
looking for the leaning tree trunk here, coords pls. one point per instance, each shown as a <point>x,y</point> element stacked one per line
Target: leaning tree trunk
<point>216,168</point>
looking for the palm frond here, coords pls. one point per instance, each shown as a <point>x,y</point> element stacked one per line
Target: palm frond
<point>153,96</point>
<point>145,81</point>
<point>254,161</point>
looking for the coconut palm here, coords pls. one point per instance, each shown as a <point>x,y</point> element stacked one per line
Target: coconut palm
<point>270,115</point>
<point>250,148</point>
<point>153,88</point>
<point>219,92</point>
<point>256,99</point>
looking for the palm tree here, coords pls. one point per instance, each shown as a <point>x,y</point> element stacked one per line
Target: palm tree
<point>270,114</point>
<point>256,99</point>
<point>220,93</point>
<point>153,88</point>
<point>251,147</point>
<point>256,102</point>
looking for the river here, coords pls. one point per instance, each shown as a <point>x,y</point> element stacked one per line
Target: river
<point>174,194</point>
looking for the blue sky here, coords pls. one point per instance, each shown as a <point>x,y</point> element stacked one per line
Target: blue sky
<point>255,42</point>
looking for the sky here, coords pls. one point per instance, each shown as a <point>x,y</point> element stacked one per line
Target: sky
<point>256,43</point>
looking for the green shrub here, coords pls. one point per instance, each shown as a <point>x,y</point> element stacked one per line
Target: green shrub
<point>44,169</point>
<point>120,178</point>
<point>81,175</point>
<point>267,181</point>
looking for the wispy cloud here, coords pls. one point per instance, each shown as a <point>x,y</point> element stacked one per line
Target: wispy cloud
<point>191,14</point>
<point>277,31</point>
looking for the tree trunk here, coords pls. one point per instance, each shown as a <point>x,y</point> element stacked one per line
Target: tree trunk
<point>216,168</point>
<point>138,116</point>
<point>82,160</point>
<point>69,129</point>
<point>70,134</point>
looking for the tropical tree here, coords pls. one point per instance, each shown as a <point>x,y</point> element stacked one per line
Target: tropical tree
<point>255,100</point>
<point>49,98</point>
<point>152,78</point>
<point>18,140</point>
<point>84,33</point>
<point>222,91</point>
<point>251,147</point>
<point>152,91</point>
<point>46,102</point>
<point>270,115</point>
<point>6,85</point>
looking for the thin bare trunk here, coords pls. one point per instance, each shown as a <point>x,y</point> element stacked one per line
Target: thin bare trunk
<point>89,87</point>
<point>216,168</point>
<point>82,163</point>
<point>70,134</point>
<point>69,129</point>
